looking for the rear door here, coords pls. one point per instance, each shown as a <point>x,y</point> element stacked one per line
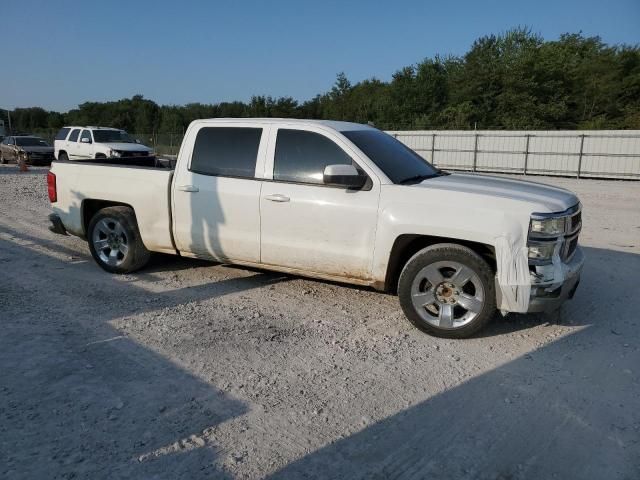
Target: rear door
<point>216,193</point>
<point>307,225</point>
<point>72,144</point>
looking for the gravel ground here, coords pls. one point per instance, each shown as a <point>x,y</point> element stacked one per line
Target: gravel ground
<point>190,369</point>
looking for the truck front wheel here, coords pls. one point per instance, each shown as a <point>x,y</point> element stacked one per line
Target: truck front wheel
<point>114,240</point>
<point>447,290</point>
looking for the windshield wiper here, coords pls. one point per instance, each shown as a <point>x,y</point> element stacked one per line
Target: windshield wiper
<point>419,178</point>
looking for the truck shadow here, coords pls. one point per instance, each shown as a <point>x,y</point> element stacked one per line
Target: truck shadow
<point>500,325</point>
<point>76,394</point>
<point>570,409</point>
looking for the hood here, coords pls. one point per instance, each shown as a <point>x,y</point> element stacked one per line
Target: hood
<point>36,149</point>
<point>553,199</point>
<point>128,147</point>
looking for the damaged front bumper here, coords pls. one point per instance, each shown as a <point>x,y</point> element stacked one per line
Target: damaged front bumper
<point>551,285</point>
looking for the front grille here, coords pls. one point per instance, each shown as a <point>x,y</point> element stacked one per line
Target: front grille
<point>135,154</point>
<point>575,222</point>
<point>40,156</point>
<point>570,245</point>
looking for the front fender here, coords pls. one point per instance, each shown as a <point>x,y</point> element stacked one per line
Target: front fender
<point>504,229</point>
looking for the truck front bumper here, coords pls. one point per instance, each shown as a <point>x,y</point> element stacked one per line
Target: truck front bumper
<point>549,295</point>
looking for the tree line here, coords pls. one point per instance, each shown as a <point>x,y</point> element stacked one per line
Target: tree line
<point>514,80</point>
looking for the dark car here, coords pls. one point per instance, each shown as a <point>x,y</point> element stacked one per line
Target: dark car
<point>35,149</point>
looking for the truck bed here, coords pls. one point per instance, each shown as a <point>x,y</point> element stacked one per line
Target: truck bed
<point>144,185</point>
<point>147,162</point>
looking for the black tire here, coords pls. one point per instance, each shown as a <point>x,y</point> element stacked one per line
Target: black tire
<point>439,262</point>
<point>117,226</point>
<point>100,155</point>
<point>63,157</point>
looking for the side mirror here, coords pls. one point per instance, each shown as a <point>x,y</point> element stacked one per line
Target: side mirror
<point>137,140</point>
<point>344,176</point>
<point>85,140</point>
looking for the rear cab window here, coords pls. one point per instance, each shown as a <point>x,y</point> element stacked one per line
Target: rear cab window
<point>226,151</point>
<point>62,133</point>
<point>301,156</point>
<point>73,136</point>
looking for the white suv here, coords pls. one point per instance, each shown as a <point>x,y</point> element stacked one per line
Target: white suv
<point>82,143</point>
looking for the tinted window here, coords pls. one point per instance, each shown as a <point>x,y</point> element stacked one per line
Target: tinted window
<point>85,134</point>
<point>74,135</point>
<point>301,156</point>
<point>31,142</point>
<point>112,136</point>
<point>226,151</point>
<point>62,134</point>
<point>393,157</point>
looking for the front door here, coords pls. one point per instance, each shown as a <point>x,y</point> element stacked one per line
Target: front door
<point>307,225</point>
<point>216,196</point>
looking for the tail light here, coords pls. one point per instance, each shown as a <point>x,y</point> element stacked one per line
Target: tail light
<point>51,187</point>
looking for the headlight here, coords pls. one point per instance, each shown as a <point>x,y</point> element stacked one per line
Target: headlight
<point>115,153</point>
<point>541,251</point>
<point>548,226</point>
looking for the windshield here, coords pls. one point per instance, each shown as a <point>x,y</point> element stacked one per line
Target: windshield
<point>394,158</point>
<point>111,136</point>
<point>31,142</point>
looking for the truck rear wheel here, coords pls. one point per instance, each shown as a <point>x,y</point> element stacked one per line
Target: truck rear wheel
<point>447,290</point>
<point>114,240</point>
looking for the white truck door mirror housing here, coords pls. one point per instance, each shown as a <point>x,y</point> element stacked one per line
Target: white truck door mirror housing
<point>343,175</point>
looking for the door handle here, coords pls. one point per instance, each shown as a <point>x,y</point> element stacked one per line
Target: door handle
<point>188,188</point>
<point>277,197</point>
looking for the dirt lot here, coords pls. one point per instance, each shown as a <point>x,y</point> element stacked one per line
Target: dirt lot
<point>194,370</point>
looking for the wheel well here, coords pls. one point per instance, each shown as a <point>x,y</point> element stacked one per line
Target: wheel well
<point>100,155</point>
<point>91,207</point>
<point>62,151</point>
<point>405,246</point>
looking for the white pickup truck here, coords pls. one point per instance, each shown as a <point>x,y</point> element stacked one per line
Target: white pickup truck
<point>337,201</point>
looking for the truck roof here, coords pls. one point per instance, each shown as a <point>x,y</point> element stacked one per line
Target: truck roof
<point>333,124</point>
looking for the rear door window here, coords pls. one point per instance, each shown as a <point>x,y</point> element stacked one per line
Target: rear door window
<point>62,134</point>
<point>226,151</point>
<point>301,156</point>
<point>86,134</point>
<point>73,137</point>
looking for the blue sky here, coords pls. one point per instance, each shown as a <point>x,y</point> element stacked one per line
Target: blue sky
<point>60,53</point>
